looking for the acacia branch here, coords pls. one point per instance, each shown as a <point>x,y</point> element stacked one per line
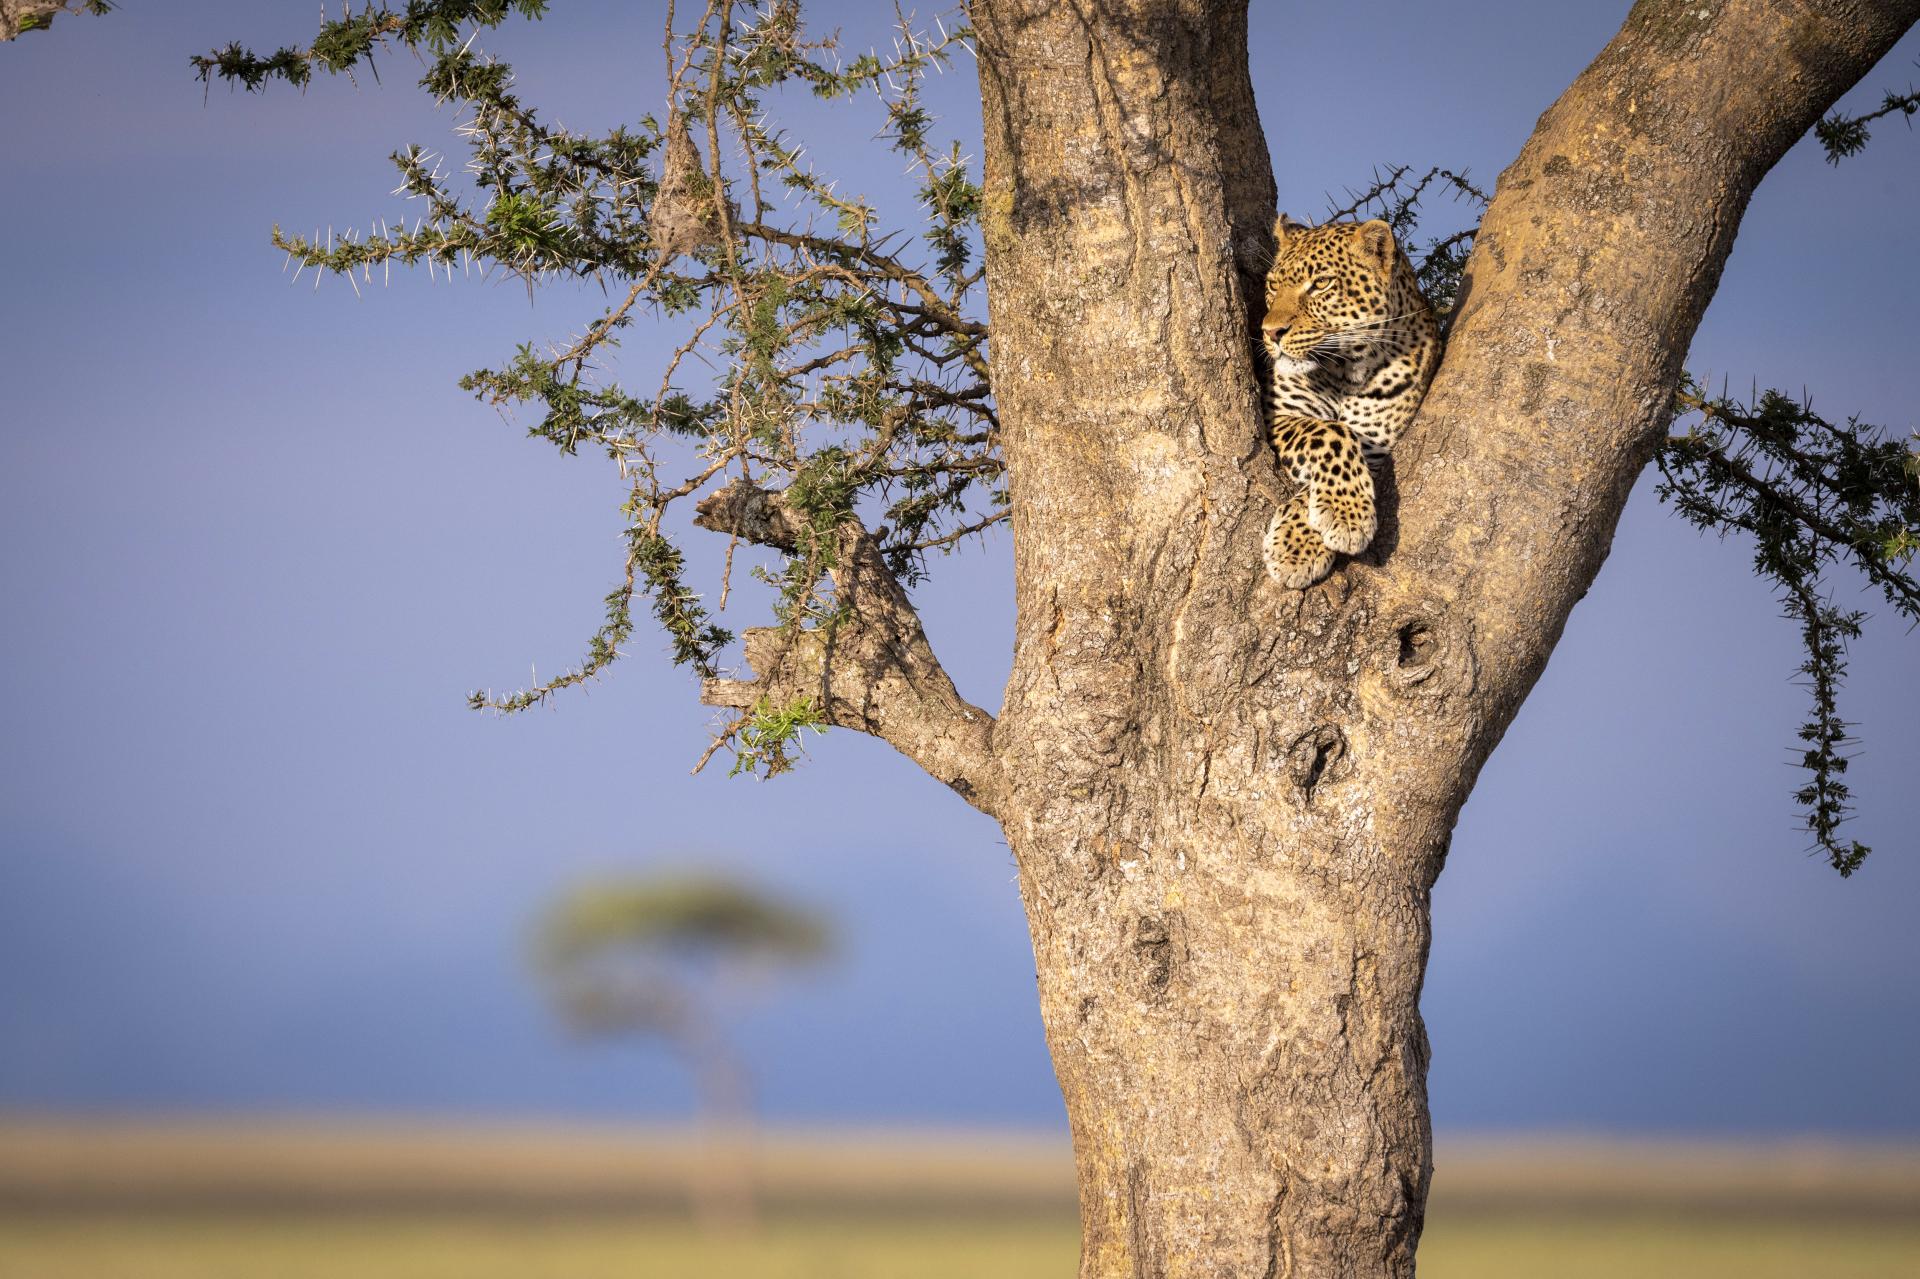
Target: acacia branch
<point>1844,135</point>
<point>871,667</point>
<point>932,305</point>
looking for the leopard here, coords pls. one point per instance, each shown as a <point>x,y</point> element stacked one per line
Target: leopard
<point>1352,345</point>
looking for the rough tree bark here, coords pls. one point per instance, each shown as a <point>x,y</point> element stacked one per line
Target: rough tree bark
<point>30,15</point>
<point>1229,802</point>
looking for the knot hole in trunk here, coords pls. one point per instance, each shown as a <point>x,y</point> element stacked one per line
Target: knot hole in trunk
<point>1427,657</point>
<point>1314,756</point>
<point>1155,941</point>
<point>1416,646</point>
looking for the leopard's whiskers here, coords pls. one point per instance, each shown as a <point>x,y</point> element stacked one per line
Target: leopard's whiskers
<point>1352,341</point>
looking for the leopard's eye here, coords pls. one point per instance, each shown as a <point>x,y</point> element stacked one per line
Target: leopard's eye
<point>1320,284</point>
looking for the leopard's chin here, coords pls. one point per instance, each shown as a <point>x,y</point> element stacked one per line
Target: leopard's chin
<point>1291,365</point>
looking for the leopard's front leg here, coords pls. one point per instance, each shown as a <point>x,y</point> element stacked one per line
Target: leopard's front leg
<point>1326,457</point>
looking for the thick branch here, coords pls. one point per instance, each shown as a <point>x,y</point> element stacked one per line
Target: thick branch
<point>1600,252</point>
<point>873,670</point>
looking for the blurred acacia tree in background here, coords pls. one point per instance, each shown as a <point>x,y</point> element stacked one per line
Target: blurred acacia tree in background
<point>660,956</point>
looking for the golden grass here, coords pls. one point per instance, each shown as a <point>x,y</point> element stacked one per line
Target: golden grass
<point>412,1201</point>
<point>320,1163</point>
<point>1563,1247</point>
<point>528,1250</point>
<point>463,1248</point>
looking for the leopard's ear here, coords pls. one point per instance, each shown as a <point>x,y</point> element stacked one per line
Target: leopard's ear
<point>1376,243</point>
<point>1284,226</point>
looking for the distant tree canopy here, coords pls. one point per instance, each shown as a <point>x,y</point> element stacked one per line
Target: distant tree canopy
<point>652,955</point>
<point>703,919</point>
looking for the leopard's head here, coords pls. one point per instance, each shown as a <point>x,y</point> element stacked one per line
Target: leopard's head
<point>1328,291</point>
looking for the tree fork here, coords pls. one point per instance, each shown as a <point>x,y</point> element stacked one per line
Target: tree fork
<point>1229,802</point>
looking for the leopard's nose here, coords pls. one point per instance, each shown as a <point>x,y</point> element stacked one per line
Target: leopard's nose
<point>1274,329</point>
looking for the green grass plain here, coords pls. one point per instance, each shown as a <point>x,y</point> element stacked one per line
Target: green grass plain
<point>120,1201</point>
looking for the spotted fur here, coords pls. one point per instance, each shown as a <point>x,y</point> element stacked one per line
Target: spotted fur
<point>1353,346</point>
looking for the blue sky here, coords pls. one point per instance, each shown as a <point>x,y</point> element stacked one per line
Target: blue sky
<point>255,548</point>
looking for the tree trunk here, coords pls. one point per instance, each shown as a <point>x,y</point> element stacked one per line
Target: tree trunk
<point>724,1185</point>
<point>1229,801</point>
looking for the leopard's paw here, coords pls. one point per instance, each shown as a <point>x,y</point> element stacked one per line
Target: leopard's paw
<point>1345,521</point>
<point>1296,555</point>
